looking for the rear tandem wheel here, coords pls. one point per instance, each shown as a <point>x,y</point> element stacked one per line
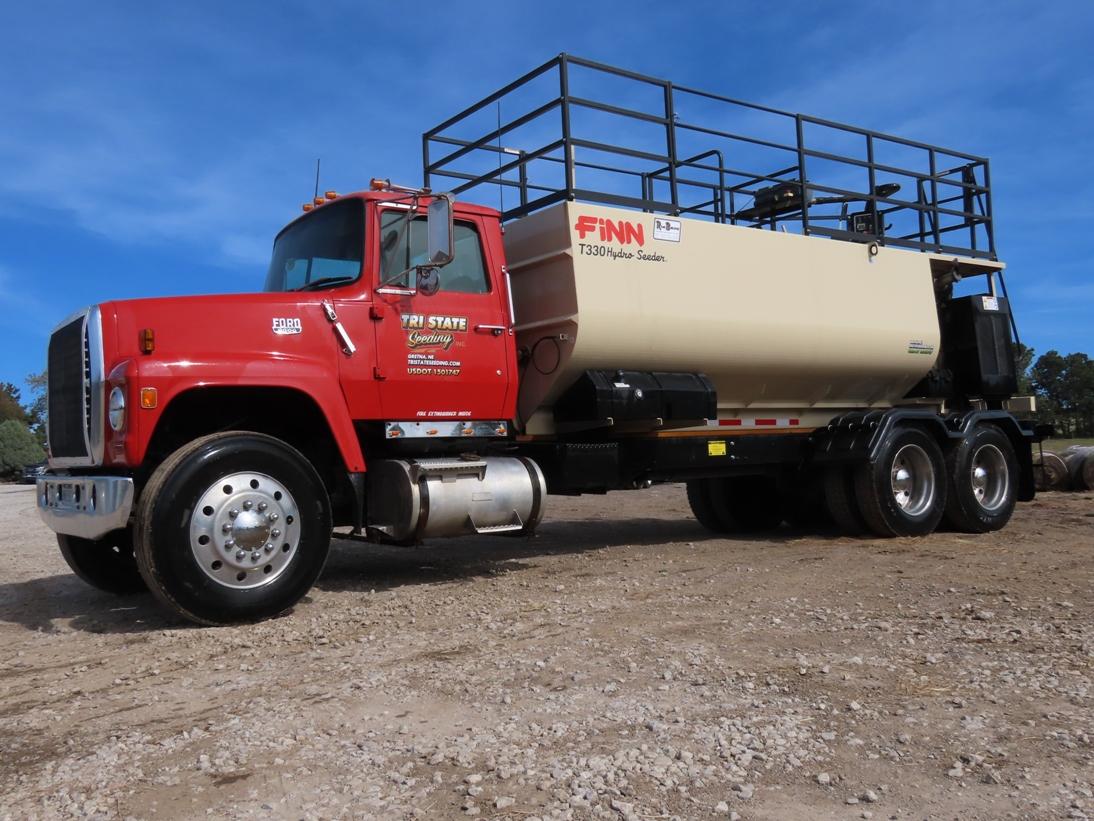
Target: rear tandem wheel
<point>982,472</point>
<point>902,492</point>
<point>739,504</point>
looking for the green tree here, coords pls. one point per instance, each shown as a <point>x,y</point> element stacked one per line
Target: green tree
<point>11,404</point>
<point>1065,385</point>
<point>1047,378</point>
<point>36,410</point>
<point>1079,386</point>
<point>1023,358</point>
<point>17,447</point>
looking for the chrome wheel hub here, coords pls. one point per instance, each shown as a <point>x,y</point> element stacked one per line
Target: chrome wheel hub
<point>989,477</point>
<point>245,530</point>
<point>912,480</point>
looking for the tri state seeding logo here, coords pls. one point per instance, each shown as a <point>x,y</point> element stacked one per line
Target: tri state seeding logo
<point>430,338</point>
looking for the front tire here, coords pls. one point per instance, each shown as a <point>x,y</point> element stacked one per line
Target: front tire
<point>983,472</point>
<point>107,563</point>
<point>232,527</point>
<point>903,492</point>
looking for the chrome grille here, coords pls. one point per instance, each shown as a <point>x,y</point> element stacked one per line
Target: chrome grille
<point>87,384</point>
<point>74,395</point>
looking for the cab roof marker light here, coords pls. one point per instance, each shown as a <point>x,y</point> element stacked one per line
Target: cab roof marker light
<point>331,195</point>
<point>308,206</point>
<point>377,184</point>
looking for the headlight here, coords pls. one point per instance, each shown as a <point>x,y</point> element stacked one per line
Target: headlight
<point>116,409</point>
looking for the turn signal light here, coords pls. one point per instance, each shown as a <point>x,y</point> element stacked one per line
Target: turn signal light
<point>149,398</point>
<point>331,195</point>
<point>147,340</point>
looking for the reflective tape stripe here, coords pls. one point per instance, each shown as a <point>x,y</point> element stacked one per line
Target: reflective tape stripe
<point>752,422</point>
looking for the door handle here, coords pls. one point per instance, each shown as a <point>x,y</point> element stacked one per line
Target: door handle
<point>496,330</point>
<point>348,348</point>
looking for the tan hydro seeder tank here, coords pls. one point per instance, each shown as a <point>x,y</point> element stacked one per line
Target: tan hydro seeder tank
<point>782,324</point>
<point>800,319</point>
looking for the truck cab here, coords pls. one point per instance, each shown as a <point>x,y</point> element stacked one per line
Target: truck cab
<point>384,326</point>
<point>444,351</point>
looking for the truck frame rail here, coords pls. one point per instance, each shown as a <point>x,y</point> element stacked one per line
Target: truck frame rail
<point>575,129</point>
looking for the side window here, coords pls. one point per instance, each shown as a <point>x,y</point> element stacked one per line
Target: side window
<point>402,247</point>
<point>465,273</point>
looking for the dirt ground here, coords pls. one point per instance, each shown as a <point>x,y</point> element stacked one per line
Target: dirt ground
<point>624,664</point>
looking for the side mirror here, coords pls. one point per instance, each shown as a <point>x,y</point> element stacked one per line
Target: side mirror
<point>439,231</point>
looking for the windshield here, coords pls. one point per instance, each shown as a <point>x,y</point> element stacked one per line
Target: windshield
<point>325,247</point>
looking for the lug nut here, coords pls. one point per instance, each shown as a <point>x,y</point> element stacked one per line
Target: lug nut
<point>226,528</point>
<point>273,517</point>
<point>262,506</point>
<point>233,513</point>
<point>255,556</point>
<point>269,548</point>
<point>241,555</point>
<point>275,533</point>
<point>248,505</point>
<point>229,543</point>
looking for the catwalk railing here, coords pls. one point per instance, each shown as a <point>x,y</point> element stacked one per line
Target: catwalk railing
<point>591,132</point>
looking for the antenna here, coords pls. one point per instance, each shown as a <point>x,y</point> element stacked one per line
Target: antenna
<point>316,194</point>
<point>501,184</point>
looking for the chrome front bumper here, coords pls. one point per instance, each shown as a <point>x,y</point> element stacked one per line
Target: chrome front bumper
<point>85,506</point>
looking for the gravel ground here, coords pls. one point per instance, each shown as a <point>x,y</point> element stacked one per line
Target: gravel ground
<point>624,664</point>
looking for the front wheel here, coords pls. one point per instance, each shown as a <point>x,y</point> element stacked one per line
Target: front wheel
<point>107,563</point>
<point>232,527</point>
<point>983,475</point>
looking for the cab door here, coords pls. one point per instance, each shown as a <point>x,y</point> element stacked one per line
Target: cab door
<point>449,355</point>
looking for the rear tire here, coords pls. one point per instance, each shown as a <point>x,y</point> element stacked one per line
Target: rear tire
<point>232,527</point>
<point>839,498</point>
<point>903,492</point>
<point>753,503</point>
<point>803,503</point>
<point>702,505</point>
<point>982,471</point>
<point>107,563</point>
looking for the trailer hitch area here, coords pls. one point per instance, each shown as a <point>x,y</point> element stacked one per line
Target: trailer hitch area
<point>348,348</point>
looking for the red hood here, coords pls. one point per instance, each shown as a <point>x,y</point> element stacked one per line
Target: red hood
<point>193,329</point>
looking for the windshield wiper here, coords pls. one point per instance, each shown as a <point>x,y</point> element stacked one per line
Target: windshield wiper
<point>323,281</point>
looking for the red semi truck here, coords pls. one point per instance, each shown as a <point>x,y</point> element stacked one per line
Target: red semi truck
<point>795,340</point>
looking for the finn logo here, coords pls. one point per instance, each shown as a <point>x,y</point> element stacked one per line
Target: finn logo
<point>619,231</point>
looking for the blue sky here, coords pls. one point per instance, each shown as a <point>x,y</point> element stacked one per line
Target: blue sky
<point>150,149</point>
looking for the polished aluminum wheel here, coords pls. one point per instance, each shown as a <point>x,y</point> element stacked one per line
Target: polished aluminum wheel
<point>990,477</point>
<point>245,530</point>
<point>912,480</point>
